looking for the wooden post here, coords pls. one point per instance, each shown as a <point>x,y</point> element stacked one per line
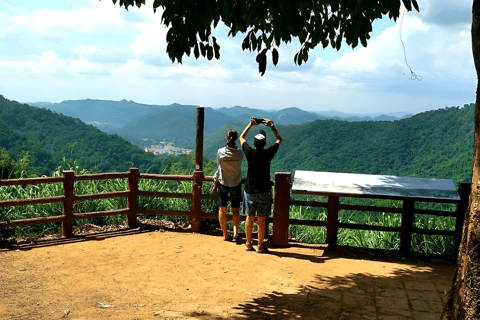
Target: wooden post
<point>281,209</point>
<point>464,193</point>
<point>195,220</point>
<point>332,220</point>
<point>68,193</point>
<point>199,139</point>
<point>133,175</point>
<point>407,221</point>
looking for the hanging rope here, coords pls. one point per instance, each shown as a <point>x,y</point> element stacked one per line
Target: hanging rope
<point>413,75</point>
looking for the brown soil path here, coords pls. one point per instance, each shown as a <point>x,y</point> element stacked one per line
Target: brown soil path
<point>132,274</point>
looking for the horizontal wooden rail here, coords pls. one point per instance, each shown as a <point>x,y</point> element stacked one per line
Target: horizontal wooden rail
<point>30,181</point>
<point>27,202</point>
<point>175,213</point>
<point>164,194</point>
<point>101,176</point>
<point>98,214</point>
<point>209,197</point>
<point>166,177</point>
<point>103,195</point>
<point>31,221</point>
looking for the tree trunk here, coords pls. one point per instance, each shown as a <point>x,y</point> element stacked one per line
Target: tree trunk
<point>464,297</point>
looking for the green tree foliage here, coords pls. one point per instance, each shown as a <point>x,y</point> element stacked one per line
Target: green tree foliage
<point>268,24</point>
<point>6,164</point>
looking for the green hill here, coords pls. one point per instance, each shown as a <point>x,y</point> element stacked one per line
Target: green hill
<point>437,144</point>
<point>174,123</point>
<point>50,137</point>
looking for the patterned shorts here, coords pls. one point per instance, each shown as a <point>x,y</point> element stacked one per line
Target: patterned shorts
<point>259,204</point>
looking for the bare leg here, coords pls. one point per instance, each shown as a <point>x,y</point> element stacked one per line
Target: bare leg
<point>222,218</point>
<point>249,229</point>
<point>236,221</point>
<point>261,222</point>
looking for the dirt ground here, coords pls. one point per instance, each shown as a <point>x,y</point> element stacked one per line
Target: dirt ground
<point>145,274</point>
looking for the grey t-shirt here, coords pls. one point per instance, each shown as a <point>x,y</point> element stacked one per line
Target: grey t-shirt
<point>228,172</point>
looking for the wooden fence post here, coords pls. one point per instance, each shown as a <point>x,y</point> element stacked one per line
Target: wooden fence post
<point>199,139</point>
<point>195,220</point>
<point>133,175</point>
<point>464,193</point>
<point>332,220</point>
<point>68,193</point>
<point>281,209</point>
<point>407,221</point>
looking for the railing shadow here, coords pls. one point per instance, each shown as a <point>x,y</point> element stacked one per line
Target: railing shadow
<point>56,240</point>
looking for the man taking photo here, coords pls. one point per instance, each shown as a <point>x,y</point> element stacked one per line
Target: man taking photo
<point>257,200</point>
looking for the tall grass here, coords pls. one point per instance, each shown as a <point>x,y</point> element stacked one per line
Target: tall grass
<point>430,244</point>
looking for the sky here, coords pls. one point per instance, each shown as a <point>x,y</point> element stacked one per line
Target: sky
<point>59,50</point>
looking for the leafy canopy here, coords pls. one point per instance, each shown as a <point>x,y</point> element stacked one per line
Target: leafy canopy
<point>269,23</point>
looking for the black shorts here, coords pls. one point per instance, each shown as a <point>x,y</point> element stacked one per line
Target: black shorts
<point>235,195</point>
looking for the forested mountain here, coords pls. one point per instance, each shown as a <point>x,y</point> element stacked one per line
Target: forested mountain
<point>49,137</point>
<point>436,143</point>
<point>175,122</point>
<point>104,112</point>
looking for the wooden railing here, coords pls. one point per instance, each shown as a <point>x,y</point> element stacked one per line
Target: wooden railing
<point>282,203</point>
<point>195,215</point>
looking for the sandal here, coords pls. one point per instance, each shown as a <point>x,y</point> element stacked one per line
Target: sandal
<point>237,239</point>
<point>262,249</point>
<point>249,247</point>
<point>228,238</point>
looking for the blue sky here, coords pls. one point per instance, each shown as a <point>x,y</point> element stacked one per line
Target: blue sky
<point>59,50</point>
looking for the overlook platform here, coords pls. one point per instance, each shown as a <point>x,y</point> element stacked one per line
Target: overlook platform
<point>139,274</point>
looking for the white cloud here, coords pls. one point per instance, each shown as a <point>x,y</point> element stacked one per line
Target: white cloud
<point>88,51</point>
<point>98,46</point>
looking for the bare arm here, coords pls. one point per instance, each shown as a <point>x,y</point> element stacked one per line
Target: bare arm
<point>243,136</point>
<point>269,123</point>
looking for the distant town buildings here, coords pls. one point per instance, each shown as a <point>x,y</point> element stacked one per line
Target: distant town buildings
<point>166,148</point>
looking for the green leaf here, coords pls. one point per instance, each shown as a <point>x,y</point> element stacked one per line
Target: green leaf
<point>338,42</point>
<point>216,48</point>
<point>305,54</point>
<point>363,40</point>
<point>407,4</point>
<point>262,61</point>
<point>202,49</point>
<point>415,4</point>
<point>196,51</point>
<point>302,35</point>
<point>209,53</point>
<point>275,56</point>
<point>246,43</point>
